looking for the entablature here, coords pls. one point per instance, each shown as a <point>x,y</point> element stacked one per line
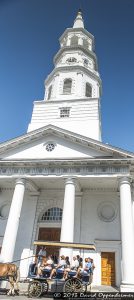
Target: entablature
<point>62,168</point>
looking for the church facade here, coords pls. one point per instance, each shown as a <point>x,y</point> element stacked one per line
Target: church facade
<point>60,182</point>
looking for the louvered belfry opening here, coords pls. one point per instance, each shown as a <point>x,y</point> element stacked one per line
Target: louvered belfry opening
<point>88,92</point>
<point>67,86</point>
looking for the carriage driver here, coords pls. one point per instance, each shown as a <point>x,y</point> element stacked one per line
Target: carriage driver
<point>41,254</point>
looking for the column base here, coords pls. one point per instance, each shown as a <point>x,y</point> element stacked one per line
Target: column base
<point>126,288</point>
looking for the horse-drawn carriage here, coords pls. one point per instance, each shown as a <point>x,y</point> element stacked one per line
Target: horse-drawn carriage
<point>41,285</point>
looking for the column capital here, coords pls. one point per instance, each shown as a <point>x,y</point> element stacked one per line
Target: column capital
<point>20,181</point>
<point>70,180</point>
<point>124,180</point>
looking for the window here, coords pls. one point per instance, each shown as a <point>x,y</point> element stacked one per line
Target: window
<point>88,92</point>
<point>49,92</point>
<point>64,112</point>
<point>74,40</point>
<point>50,147</point>
<point>67,86</point>
<point>53,214</point>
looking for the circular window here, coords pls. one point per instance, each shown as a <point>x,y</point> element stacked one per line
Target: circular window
<point>107,211</point>
<point>4,211</point>
<point>50,147</point>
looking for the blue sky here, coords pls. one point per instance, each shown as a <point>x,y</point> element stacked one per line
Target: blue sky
<point>29,33</point>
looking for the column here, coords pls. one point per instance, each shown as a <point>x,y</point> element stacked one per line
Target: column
<point>67,228</point>
<point>68,41</point>
<point>10,235</point>
<point>127,236</point>
<point>80,41</point>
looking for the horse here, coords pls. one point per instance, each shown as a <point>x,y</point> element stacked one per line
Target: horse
<point>10,272</point>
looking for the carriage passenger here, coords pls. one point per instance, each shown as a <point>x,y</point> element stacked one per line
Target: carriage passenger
<point>75,264</point>
<point>46,265</point>
<point>67,262</point>
<point>60,267</point>
<point>87,268</point>
<point>80,260</point>
<point>92,269</point>
<point>73,268</point>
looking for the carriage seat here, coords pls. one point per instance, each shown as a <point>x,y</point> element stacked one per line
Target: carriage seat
<point>72,273</point>
<point>46,273</point>
<point>59,273</point>
<point>32,270</point>
<point>85,277</point>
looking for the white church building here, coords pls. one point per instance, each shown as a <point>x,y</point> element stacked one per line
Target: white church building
<point>59,181</point>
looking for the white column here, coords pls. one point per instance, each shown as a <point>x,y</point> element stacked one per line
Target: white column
<point>68,41</point>
<point>127,236</point>
<point>80,41</point>
<point>10,235</point>
<point>67,228</point>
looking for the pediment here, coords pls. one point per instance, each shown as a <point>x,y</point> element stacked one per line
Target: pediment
<point>66,144</point>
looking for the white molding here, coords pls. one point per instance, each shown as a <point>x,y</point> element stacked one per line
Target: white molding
<point>40,132</point>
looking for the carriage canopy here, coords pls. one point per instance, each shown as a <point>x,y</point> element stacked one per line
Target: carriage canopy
<point>65,245</point>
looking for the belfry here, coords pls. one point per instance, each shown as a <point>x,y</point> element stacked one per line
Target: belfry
<point>60,182</point>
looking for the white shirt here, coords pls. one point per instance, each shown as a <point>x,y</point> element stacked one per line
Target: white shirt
<point>75,264</point>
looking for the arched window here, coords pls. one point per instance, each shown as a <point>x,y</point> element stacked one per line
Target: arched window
<point>74,40</point>
<point>88,92</point>
<point>53,214</point>
<point>67,86</point>
<point>49,92</point>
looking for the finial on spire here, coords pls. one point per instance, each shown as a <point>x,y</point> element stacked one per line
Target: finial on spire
<point>79,23</point>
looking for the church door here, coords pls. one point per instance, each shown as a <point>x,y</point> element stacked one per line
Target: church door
<point>50,234</point>
<point>108,268</point>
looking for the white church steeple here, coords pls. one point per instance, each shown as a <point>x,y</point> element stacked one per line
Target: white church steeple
<point>72,89</point>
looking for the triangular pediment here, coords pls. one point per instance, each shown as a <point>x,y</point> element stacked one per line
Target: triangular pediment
<point>67,145</point>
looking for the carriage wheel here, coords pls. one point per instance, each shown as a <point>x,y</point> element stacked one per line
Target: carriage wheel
<point>73,285</point>
<point>45,287</point>
<point>35,289</point>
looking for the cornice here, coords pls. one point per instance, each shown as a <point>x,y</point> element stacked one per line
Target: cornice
<point>55,100</point>
<point>73,68</point>
<point>66,162</point>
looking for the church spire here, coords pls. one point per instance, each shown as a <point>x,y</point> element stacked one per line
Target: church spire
<point>78,22</point>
